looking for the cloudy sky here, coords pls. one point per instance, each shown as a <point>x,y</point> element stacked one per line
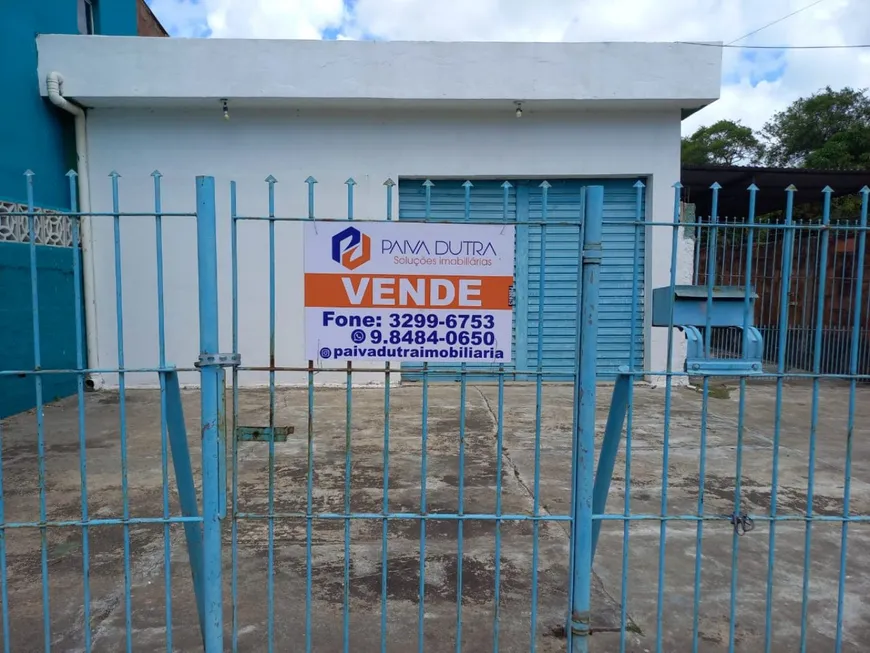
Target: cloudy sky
<point>755,83</point>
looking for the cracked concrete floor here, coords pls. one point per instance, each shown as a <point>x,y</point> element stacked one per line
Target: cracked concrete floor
<point>147,606</point>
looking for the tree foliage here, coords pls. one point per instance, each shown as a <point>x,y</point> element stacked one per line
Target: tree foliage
<point>828,130</point>
<point>723,143</point>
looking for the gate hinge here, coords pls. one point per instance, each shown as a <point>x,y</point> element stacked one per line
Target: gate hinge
<point>218,360</point>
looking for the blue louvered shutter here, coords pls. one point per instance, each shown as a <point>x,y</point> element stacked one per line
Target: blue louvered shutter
<point>448,204</point>
<point>561,258</point>
<point>561,284</point>
<point>619,239</point>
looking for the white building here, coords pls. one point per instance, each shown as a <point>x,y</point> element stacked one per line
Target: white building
<point>591,113</point>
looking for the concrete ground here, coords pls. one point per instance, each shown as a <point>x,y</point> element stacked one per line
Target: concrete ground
<point>147,603</point>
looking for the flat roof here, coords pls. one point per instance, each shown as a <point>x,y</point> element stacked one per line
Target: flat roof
<point>133,71</point>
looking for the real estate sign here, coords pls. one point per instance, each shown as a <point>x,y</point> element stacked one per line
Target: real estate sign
<point>408,291</point>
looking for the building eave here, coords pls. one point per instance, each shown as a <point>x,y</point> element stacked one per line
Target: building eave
<point>125,71</point>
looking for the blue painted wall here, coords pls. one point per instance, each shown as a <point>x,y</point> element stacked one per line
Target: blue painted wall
<point>56,323</point>
<point>36,135</point>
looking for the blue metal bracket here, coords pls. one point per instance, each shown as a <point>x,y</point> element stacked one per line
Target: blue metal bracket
<point>218,360</point>
<point>693,308</point>
<point>186,487</point>
<point>263,433</point>
<point>698,363</point>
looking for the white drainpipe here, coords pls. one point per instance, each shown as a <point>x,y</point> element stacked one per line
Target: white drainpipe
<point>54,86</point>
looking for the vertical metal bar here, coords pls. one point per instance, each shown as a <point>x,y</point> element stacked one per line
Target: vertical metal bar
<point>814,415</point>
<point>584,421</point>
<point>779,238</point>
<point>636,290</point>
<point>848,276</point>
<point>80,396</point>
<point>575,404</point>
<point>697,262</point>
<point>850,426</point>
<point>389,183</point>
<point>234,526</point>
<point>222,444</point>
<point>844,324</point>
<point>801,333</point>
<point>347,465</point>
<point>164,442</point>
<point>667,420</point>
<point>774,478</point>
<point>310,181</point>
<point>122,409</point>
<point>539,401</point>
<point>309,508</point>
<point>271,492</point>
<point>4,576</point>
<point>209,344</point>
<point>699,527</point>
<point>816,306</point>
<point>347,489</point>
<point>705,397</point>
<point>499,452</point>
<point>350,184</point>
<point>463,389</point>
<point>385,508</point>
<point>738,465</point>
<point>424,446</point>
<point>728,241</point>
<point>309,478</point>
<point>832,328</point>
<point>40,442</point>
<point>765,289</point>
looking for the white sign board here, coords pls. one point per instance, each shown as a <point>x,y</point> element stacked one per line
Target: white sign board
<point>408,291</point>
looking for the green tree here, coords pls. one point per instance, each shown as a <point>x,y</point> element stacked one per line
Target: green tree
<point>723,143</point>
<point>829,129</point>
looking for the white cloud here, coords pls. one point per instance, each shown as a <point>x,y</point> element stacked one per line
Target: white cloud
<point>746,95</point>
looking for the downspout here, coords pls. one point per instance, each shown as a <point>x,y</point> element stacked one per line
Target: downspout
<point>54,86</point>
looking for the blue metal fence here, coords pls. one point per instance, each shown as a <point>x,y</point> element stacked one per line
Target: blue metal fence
<point>682,310</point>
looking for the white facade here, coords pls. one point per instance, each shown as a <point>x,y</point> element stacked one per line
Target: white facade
<point>602,122</point>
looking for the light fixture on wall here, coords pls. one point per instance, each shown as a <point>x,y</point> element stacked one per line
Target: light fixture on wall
<point>226,108</point>
<point>519,106</point>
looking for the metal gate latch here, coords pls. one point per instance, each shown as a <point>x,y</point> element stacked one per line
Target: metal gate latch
<point>218,360</point>
<point>742,523</point>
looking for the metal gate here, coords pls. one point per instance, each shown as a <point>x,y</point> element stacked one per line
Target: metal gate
<point>449,516</point>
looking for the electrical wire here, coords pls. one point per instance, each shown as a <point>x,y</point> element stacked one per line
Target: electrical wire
<point>778,20</point>
<point>777,47</point>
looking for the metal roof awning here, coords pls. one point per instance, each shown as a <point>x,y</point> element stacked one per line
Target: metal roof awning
<point>771,182</point>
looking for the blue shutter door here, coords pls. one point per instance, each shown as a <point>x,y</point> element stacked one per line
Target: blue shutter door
<point>557,332</point>
<point>620,237</point>
<point>561,258</point>
<point>561,289</point>
<point>448,204</point>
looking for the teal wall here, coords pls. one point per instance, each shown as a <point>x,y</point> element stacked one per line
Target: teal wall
<point>36,135</point>
<point>57,341</point>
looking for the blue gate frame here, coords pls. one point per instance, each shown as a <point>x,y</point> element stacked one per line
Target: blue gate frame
<point>696,311</point>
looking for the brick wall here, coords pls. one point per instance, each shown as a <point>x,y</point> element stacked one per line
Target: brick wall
<point>146,22</point>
